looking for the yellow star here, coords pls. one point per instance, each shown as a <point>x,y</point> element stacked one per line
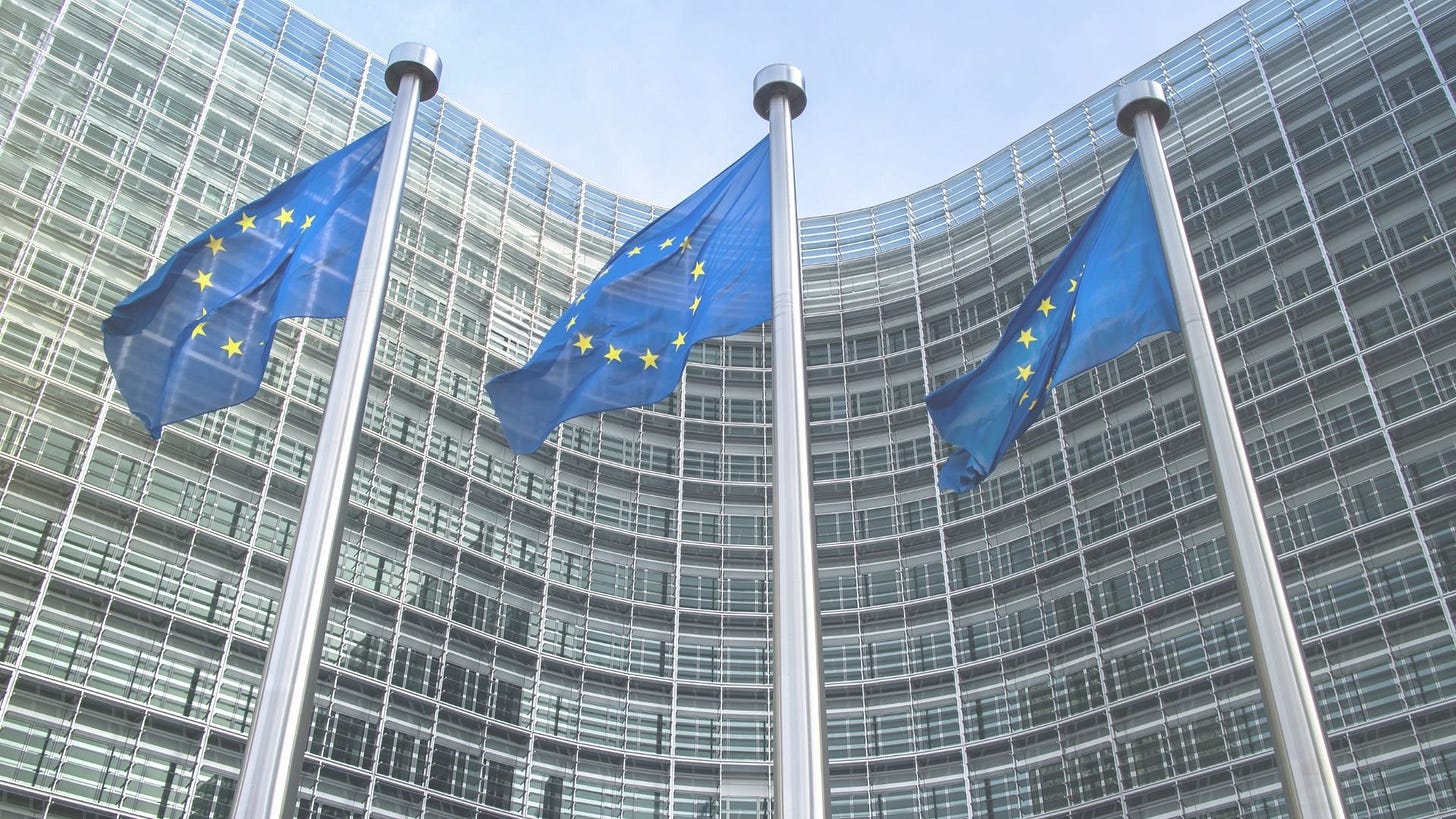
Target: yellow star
<point>1046,307</point>
<point>285,216</point>
<point>583,343</point>
<point>1024,396</point>
<point>696,301</point>
<point>687,243</point>
<point>1072,286</point>
<point>203,281</point>
<point>667,243</point>
<point>649,360</point>
<point>246,223</point>
<point>614,353</point>
<point>682,338</point>
<point>307,222</point>
<point>197,331</point>
<point>1026,338</point>
<point>1024,373</point>
<point>1074,314</point>
<point>214,244</point>
<point>1032,407</point>
<point>634,251</point>
<point>572,323</point>
<point>233,347</point>
<point>698,271</point>
<point>581,298</point>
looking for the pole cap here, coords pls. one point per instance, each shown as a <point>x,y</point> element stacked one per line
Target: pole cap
<point>413,58</point>
<point>776,79</point>
<point>1139,96</point>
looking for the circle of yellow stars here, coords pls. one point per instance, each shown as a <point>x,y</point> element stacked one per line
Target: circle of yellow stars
<point>1025,337</point>
<point>203,278</point>
<point>585,343</point>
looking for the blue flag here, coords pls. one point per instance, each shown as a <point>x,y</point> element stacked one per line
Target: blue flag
<point>195,336</point>
<point>699,271</point>
<point>1107,289</point>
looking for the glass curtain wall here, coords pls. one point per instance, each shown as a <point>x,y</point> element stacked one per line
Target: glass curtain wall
<point>584,632</point>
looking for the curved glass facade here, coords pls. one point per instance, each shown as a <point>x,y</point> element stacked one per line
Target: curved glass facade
<point>584,632</point>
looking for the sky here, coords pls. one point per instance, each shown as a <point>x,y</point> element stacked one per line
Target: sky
<point>651,98</point>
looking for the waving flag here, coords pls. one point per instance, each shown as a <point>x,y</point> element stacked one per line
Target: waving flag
<point>1105,291</point>
<point>195,336</point>
<point>699,271</point>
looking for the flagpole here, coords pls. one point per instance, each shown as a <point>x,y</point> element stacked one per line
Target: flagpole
<point>1311,785</point>
<point>801,760</point>
<point>268,782</point>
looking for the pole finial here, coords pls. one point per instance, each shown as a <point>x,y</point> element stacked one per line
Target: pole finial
<point>1141,95</point>
<point>413,58</point>
<point>779,78</point>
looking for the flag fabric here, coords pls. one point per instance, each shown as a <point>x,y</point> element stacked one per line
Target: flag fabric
<point>1105,291</point>
<point>195,336</point>
<point>699,271</point>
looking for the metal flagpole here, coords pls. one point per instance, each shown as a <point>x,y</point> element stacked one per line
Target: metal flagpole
<point>268,783</point>
<point>801,760</point>
<point>1310,782</point>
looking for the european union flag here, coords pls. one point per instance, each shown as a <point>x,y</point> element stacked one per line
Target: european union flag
<point>195,336</point>
<point>1107,289</point>
<point>699,271</point>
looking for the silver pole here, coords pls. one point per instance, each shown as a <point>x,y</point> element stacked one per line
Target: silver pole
<point>1310,782</point>
<point>801,759</point>
<point>268,783</point>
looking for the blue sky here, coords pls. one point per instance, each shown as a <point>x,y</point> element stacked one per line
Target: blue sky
<point>652,98</point>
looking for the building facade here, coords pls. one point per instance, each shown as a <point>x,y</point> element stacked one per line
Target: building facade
<point>584,632</point>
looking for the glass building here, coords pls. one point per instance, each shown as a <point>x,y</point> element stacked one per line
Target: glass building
<point>584,632</point>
